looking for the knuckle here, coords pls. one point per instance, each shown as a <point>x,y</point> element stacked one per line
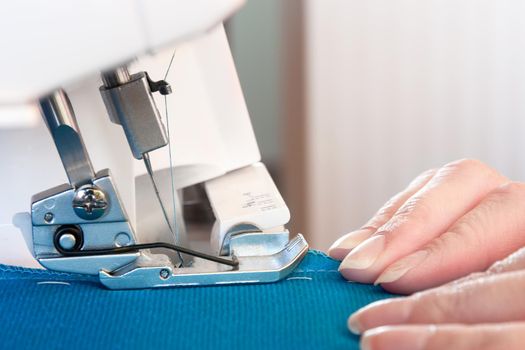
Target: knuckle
<point>466,164</point>
<point>469,231</point>
<point>400,204</point>
<point>511,188</point>
<point>440,247</point>
<point>389,207</point>
<point>470,234</point>
<point>415,208</point>
<point>423,177</point>
<point>471,167</point>
<point>465,234</point>
<point>447,239</point>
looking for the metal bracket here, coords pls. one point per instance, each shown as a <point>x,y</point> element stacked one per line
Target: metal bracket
<point>144,273</point>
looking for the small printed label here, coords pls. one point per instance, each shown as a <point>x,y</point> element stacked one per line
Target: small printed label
<point>258,201</point>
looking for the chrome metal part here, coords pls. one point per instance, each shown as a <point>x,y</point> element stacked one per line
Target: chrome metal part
<point>122,239</point>
<point>66,228</point>
<point>258,243</point>
<point>60,119</point>
<point>67,241</point>
<point>116,77</point>
<point>83,227</point>
<point>95,236</point>
<point>59,199</point>
<point>164,273</point>
<point>48,217</point>
<point>247,239</point>
<point>259,256</point>
<point>145,272</point>
<point>131,104</point>
<point>89,265</point>
<point>89,202</point>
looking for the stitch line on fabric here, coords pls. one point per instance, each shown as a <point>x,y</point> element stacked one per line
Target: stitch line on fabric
<point>61,283</point>
<point>315,270</point>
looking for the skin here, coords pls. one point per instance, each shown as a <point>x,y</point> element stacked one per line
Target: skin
<point>453,237</point>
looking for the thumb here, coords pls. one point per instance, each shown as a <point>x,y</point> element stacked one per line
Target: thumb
<point>504,336</point>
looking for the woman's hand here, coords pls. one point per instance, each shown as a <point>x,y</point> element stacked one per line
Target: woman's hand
<point>448,223</point>
<point>481,311</point>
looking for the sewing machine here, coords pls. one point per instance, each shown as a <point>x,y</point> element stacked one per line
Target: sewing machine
<point>175,195</point>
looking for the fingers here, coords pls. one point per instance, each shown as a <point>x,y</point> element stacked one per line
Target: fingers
<point>487,233</point>
<point>454,190</point>
<point>343,245</point>
<point>513,262</point>
<point>496,298</point>
<point>505,336</point>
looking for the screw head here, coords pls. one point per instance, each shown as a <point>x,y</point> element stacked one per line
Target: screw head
<point>90,202</point>
<point>164,274</point>
<point>67,241</point>
<point>122,239</point>
<point>48,217</point>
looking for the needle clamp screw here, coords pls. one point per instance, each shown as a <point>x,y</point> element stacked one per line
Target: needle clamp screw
<point>90,202</point>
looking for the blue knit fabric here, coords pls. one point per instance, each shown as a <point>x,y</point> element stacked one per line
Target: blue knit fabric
<point>308,310</point>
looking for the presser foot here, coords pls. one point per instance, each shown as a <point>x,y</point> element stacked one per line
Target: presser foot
<point>155,270</point>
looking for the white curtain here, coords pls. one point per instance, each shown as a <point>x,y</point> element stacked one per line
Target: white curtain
<point>395,87</point>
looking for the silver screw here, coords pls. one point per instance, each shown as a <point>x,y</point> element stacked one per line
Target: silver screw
<point>67,241</point>
<point>164,274</point>
<point>48,217</point>
<point>90,202</point>
<point>122,239</point>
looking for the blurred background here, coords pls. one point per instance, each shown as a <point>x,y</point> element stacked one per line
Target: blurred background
<point>352,99</point>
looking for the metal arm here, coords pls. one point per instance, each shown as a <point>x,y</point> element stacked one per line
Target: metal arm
<point>60,119</point>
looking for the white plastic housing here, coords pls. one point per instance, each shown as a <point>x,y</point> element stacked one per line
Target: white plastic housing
<point>210,132</point>
<point>46,44</point>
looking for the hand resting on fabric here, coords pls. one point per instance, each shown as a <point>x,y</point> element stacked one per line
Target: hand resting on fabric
<point>456,223</point>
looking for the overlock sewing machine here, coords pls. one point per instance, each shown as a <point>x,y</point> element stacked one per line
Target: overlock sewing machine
<point>190,204</point>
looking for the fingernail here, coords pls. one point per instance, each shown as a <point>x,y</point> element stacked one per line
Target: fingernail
<point>397,337</point>
<point>353,324</point>
<point>365,343</point>
<point>350,240</point>
<point>400,268</point>
<point>365,254</point>
<point>381,312</point>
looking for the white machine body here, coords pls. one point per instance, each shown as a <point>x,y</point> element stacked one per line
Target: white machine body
<point>65,45</point>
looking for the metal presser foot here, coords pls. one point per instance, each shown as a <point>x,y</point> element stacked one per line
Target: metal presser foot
<point>86,230</point>
<point>82,227</point>
<point>146,272</point>
<point>105,245</point>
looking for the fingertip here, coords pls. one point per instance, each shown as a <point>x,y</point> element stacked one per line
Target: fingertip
<point>405,285</point>
<point>353,324</point>
<point>341,247</point>
<point>396,338</point>
<point>392,311</point>
<point>357,275</point>
<point>338,253</point>
<point>401,268</point>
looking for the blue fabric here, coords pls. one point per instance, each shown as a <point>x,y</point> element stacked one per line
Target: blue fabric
<point>308,310</point>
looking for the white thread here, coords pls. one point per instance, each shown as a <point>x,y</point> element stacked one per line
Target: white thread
<point>299,278</point>
<point>54,282</point>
